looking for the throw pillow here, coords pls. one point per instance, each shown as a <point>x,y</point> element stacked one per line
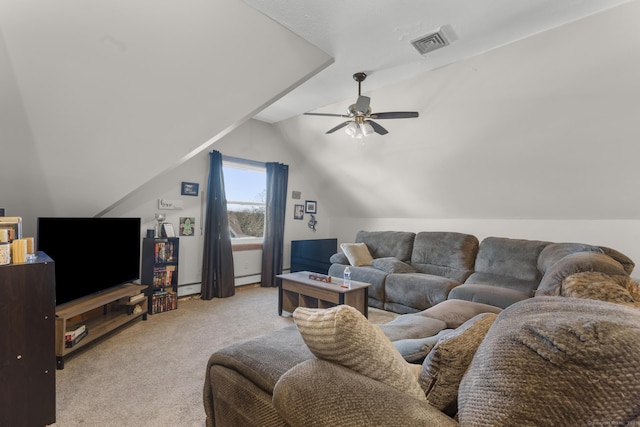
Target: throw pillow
<point>446,364</point>
<point>357,254</point>
<point>603,287</point>
<point>392,265</point>
<point>342,335</point>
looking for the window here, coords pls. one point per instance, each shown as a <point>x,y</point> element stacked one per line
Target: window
<point>245,185</point>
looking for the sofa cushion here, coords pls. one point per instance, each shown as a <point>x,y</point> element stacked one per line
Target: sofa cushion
<point>576,263</point>
<point>446,254</point>
<point>455,312</point>
<point>526,286</point>
<point>626,262</point>
<point>357,254</point>
<point>411,326</point>
<point>342,335</point>
<point>381,244</point>
<point>515,258</point>
<point>414,350</point>
<point>599,286</point>
<point>547,361</point>
<point>556,251</point>
<point>498,296</point>
<point>317,393</point>
<point>392,265</point>
<point>445,365</point>
<point>339,258</point>
<point>417,291</point>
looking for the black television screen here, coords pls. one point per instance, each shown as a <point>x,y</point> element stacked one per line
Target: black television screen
<point>90,254</point>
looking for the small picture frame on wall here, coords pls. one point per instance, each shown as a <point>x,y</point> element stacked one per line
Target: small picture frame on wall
<point>298,212</point>
<point>311,206</point>
<point>167,230</point>
<point>190,189</point>
<point>187,226</point>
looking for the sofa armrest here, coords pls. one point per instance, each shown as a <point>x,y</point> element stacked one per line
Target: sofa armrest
<point>339,258</point>
<point>319,393</point>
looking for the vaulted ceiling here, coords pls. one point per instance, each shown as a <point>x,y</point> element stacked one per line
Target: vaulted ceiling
<point>375,37</point>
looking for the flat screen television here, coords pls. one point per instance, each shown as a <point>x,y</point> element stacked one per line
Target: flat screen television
<point>91,255</point>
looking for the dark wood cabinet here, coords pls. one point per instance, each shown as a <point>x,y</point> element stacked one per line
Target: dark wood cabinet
<point>160,272</point>
<point>27,343</point>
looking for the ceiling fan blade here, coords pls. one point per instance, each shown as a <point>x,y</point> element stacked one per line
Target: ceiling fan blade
<point>326,114</point>
<point>362,104</point>
<point>376,127</point>
<point>395,115</point>
<point>340,126</point>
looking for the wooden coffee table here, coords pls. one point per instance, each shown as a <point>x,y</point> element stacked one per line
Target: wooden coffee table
<point>298,290</point>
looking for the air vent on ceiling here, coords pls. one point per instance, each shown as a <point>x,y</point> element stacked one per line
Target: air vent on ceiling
<point>431,42</point>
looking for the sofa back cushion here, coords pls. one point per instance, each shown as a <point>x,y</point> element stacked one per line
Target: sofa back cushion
<point>577,263</point>
<point>556,251</point>
<point>512,258</point>
<point>554,362</point>
<point>381,244</point>
<point>445,254</point>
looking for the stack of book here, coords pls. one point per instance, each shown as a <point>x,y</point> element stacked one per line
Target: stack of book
<point>73,337</point>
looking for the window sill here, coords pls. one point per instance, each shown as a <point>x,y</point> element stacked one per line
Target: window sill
<point>238,247</point>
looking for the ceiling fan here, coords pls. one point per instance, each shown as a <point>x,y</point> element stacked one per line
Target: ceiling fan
<point>360,124</point>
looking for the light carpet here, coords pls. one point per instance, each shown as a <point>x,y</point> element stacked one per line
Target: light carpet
<point>151,373</point>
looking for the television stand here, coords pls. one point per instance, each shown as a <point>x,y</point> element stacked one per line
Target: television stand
<point>100,313</point>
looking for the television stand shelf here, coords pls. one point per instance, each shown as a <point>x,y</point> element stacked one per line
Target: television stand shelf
<point>101,313</point>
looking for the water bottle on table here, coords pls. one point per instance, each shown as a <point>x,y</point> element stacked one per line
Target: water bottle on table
<point>347,278</point>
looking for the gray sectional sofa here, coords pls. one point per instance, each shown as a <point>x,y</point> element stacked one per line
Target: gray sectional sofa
<point>411,272</point>
<point>477,363</point>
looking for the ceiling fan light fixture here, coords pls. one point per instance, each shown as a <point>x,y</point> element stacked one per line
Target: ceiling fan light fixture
<point>351,129</point>
<point>367,129</point>
<point>359,130</point>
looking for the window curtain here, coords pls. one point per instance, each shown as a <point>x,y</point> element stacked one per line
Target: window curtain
<point>217,261</point>
<point>277,178</point>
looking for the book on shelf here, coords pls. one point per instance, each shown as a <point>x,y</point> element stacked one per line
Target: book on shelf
<point>164,302</point>
<point>69,343</point>
<point>136,298</point>
<point>163,252</point>
<point>132,299</point>
<point>73,333</point>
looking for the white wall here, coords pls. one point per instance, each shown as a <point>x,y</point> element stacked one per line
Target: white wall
<point>254,141</point>
<point>537,139</point>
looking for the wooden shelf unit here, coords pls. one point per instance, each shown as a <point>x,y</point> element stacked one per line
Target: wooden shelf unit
<point>27,348</point>
<point>101,313</point>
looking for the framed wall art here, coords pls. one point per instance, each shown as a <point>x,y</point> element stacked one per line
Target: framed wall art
<point>298,212</point>
<point>190,189</point>
<point>187,226</point>
<point>167,230</point>
<point>311,206</point>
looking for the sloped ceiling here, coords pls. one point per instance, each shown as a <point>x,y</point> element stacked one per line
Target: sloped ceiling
<point>375,37</point>
<point>104,96</point>
<point>544,128</point>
